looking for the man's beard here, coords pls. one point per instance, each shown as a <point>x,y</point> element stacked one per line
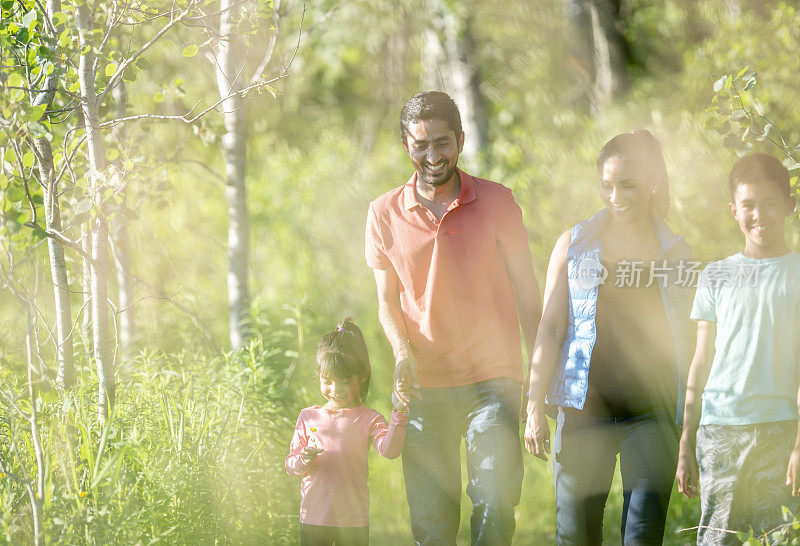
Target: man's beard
<point>436,180</point>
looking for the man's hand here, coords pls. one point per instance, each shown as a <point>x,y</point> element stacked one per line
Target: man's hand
<point>687,473</point>
<point>793,472</point>
<point>406,382</point>
<point>537,431</point>
<point>309,454</point>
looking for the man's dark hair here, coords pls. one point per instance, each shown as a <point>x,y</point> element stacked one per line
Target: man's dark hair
<point>758,167</point>
<point>430,105</point>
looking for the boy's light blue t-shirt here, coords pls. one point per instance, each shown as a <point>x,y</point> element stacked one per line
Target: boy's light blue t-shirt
<point>756,305</point>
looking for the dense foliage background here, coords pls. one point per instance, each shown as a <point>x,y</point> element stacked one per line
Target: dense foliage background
<point>193,450</point>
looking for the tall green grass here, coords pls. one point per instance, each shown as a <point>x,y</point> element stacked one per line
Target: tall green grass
<point>193,454</point>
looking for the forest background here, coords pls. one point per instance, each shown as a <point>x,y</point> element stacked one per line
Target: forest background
<point>210,165</point>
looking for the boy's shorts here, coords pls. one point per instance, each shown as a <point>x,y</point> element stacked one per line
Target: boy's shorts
<point>743,478</point>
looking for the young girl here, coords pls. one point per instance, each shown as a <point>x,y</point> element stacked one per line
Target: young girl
<point>330,444</point>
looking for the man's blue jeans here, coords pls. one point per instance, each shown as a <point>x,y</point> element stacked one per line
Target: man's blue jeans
<point>585,455</point>
<point>486,415</point>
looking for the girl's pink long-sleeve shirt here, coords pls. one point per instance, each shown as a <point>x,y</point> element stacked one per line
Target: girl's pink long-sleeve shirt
<point>334,489</point>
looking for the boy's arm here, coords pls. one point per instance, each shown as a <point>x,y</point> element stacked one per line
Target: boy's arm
<point>793,471</point>
<point>687,472</point>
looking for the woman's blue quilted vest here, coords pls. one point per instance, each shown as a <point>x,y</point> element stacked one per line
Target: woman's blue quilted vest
<point>584,270</point>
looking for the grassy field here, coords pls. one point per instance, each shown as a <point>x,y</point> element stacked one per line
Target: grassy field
<point>536,513</point>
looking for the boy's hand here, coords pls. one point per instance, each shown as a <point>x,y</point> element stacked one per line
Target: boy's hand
<point>309,454</point>
<point>793,472</point>
<point>687,473</point>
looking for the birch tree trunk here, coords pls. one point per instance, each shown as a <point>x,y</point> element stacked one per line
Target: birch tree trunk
<point>598,52</point>
<point>37,495</point>
<point>86,288</point>
<point>58,268</point>
<point>99,227</point>
<point>449,65</point>
<point>122,261</point>
<point>234,145</point>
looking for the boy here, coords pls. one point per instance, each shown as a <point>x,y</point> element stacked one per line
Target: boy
<point>748,307</point>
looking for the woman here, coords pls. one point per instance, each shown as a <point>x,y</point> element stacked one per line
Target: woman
<point>611,351</point>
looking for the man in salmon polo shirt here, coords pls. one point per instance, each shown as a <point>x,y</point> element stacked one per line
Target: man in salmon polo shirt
<point>453,270</point>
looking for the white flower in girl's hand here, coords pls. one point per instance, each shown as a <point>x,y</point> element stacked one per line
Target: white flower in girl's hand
<point>312,440</point>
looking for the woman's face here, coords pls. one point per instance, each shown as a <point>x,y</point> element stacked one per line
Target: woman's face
<point>625,190</point>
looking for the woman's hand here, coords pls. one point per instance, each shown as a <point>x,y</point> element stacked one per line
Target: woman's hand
<point>793,472</point>
<point>537,431</point>
<point>687,473</point>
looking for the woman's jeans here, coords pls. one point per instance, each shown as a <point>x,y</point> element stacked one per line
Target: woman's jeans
<point>486,415</point>
<point>585,456</point>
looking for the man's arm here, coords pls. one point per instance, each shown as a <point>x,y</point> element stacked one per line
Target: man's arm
<point>527,298</point>
<point>687,473</point>
<point>391,318</point>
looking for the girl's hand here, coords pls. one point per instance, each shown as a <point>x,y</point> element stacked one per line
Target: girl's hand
<point>309,454</point>
<point>537,432</point>
<point>402,393</point>
<point>793,472</point>
<point>687,473</point>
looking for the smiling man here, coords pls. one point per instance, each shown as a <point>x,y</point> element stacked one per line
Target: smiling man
<point>455,281</point>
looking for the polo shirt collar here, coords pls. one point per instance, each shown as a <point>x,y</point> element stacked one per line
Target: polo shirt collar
<point>465,195</point>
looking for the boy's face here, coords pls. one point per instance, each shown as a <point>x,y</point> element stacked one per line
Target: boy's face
<point>760,208</point>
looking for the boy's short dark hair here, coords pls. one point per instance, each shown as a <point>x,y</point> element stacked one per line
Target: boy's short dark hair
<point>430,105</point>
<point>758,167</point>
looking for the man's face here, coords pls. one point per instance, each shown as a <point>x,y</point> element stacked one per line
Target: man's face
<point>433,148</point>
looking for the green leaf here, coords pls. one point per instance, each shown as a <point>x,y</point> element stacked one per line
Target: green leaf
<point>59,18</point>
<point>28,18</point>
<point>720,83</point>
<point>129,75</point>
<point>110,69</point>
<point>742,72</point>
<point>731,141</point>
<point>190,51</point>
<point>15,194</point>
<point>142,64</point>
<point>36,112</point>
<point>14,80</point>
<point>158,97</point>
<point>27,160</point>
<point>768,129</point>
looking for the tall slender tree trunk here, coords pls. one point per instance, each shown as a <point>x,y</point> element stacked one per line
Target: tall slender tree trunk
<point>58,268</point>
<point>52,211</point>
<point>598,53</point>
<point>86,288</point>
<point>234,145</point>
<point>99,226</point>
<point>448,60</point>
<point>122,260</point>
<point>37,494</point>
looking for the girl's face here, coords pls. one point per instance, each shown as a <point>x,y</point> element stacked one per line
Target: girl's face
<point>625,190</point>
<point>341,392</point>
